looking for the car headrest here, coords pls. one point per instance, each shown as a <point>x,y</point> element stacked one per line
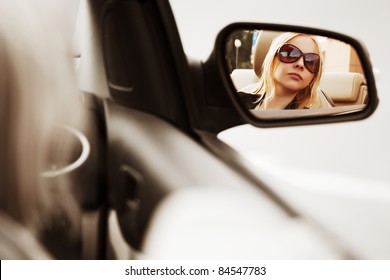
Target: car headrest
<point>243,77</point>
<point>344,87</point>
<point>262,45</point>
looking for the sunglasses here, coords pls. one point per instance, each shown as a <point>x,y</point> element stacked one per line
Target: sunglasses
<point>289,53</point>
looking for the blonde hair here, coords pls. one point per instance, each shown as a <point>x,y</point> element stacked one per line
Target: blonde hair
<point>307,97</point>
<point>37,92</point>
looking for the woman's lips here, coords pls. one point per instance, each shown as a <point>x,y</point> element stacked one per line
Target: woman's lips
<point>295,76</point>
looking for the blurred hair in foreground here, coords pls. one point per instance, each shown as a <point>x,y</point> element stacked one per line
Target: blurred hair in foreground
<point>38,95</point>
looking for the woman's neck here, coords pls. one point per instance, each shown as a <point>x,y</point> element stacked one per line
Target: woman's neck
<point>280,99</point>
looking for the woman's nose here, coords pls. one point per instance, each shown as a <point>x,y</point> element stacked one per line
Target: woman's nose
<point>299,64</point>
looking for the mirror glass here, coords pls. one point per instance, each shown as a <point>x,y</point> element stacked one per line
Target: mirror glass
<point>287,75</point>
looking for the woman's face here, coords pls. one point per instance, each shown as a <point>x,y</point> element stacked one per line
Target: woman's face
<point>293,77</point>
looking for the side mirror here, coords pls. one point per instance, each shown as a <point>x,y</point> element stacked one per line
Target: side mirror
<point>279,75</point>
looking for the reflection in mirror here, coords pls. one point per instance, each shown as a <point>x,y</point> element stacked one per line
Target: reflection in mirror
<point>283,70</point>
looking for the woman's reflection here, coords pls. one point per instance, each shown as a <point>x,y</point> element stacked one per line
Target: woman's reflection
<point>290,77</point>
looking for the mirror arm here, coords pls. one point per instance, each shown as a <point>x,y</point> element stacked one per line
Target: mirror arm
<point>214,109</point>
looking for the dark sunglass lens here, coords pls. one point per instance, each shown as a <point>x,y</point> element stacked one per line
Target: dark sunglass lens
<point>312,62</point>
<point>289,53</point>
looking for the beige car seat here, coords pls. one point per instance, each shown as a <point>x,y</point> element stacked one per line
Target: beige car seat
<point>345,88</point>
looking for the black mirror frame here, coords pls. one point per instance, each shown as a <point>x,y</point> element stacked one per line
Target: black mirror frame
<point>219,51</point>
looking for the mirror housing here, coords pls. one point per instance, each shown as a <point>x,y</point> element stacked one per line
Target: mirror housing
<point>227,56</point>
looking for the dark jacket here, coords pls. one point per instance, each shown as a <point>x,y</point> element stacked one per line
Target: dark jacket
<point>251,101</point>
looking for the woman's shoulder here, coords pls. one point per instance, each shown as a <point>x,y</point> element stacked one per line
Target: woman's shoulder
<point>18,243</point>
<point>250,99</point>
